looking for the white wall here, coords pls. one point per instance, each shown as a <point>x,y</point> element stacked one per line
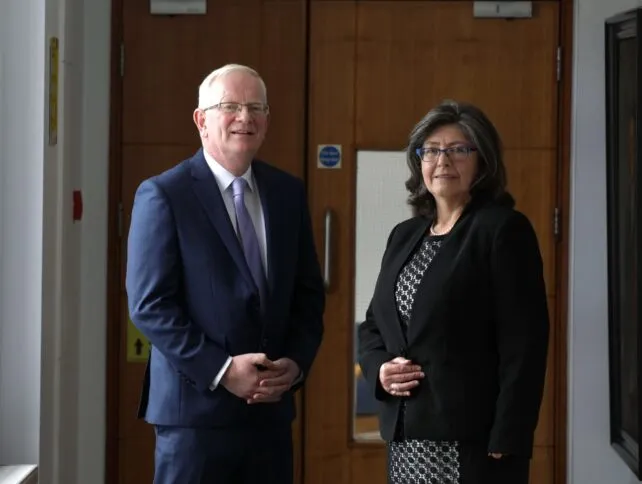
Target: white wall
<point>590,457</point>
<point>52,270</point>
<point>93,255</point>
<point>22,23</point>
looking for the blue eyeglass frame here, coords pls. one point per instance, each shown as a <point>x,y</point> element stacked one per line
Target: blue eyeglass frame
<point>444,150</point>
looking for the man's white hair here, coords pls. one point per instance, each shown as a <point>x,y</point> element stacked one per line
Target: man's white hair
<point>205,91</point>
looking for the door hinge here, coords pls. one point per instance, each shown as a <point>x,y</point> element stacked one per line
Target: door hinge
<point>556,223</point>
<point>122,59</point>
<point>559,63</point>
<point>120,219</point>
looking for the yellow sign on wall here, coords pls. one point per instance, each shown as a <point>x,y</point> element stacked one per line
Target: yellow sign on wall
<point>138,347</point>
<point>53,91</point>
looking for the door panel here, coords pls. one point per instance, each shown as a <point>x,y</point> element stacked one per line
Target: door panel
<point>374,74</point>
<point>136,459</point>
<point>328,456</point>
<point>166,58</point>
<point>532,175</point>
<point>411,55</point>
<point>374,68</point>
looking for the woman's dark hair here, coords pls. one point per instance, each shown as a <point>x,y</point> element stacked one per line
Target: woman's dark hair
<point>490,181</point>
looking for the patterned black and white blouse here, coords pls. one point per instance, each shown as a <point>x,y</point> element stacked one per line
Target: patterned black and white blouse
<point>412,461</point>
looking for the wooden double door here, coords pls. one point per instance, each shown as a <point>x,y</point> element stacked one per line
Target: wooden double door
<point>355,75</point>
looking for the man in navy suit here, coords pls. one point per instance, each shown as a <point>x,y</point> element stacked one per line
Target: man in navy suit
<point>223,278</point>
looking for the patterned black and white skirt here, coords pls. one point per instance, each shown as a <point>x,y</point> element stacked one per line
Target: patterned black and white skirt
<point>412,461</point>
<point>415,461</point>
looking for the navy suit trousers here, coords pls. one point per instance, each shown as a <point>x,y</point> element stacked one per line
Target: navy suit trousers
<point>223,455</point>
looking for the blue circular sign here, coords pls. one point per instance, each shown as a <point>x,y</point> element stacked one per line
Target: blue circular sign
<point>329,156</point>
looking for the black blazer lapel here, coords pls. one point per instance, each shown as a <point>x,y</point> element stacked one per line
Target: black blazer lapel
<point>208,193</point>
<point>400,255</point>
<point>437,278</point>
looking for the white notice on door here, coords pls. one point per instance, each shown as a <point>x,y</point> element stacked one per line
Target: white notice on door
<point>178,7</point>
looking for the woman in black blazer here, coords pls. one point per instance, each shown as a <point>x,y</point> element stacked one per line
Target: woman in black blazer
<point>455,339</point>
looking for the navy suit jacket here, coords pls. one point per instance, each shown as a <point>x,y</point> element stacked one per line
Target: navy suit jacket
<point>191,293</point>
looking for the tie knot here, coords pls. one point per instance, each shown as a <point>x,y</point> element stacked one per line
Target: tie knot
<point>238,186</point>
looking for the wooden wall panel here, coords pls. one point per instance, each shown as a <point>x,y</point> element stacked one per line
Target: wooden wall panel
<point>405,48</point>
<point>283,67</point>
<point>532,181</point>
<point>166,58</point>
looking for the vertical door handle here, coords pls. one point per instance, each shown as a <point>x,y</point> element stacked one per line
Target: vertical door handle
<point>327,262</point>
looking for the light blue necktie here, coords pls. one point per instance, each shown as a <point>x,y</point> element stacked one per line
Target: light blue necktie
<point>249,240</point>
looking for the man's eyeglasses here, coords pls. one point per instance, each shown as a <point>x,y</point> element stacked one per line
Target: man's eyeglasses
<point>254,109</point>
<point>454,153</point>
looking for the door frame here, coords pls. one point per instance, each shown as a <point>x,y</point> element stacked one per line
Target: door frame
<point>114,241</point>
<point>114,247</point>
<point>565,96</point>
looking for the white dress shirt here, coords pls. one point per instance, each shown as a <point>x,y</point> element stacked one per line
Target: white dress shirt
<point>224,181</point>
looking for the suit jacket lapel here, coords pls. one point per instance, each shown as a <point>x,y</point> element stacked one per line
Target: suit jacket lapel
<point>208,193</point>
<point>401,255</point>
<point>437,278</point>
<point>271,214</point>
